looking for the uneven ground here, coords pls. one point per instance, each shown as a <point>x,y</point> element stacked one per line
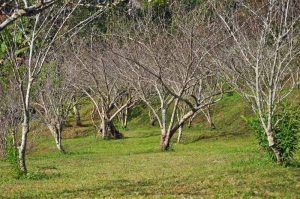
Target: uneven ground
<point>222,163</point>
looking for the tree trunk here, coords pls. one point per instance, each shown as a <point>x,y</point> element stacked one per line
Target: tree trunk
<point>108,130</point>
<point>56,131</point>
<point>103,129</point>
<point>164,140</point>
<point>273,145</point>
<point>125,118</point>
<point>59,144</point>
<point>191,120</point>
<point>179,134</point>
<point>77,115</point>
<point>209,118</point>
<point>22,147</point>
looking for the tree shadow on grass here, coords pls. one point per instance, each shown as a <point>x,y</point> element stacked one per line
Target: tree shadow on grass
<point>75,153</point>
<point>133,189</point>
<point>145,135</point>
<point>39,175</point>
<point>215,136</point>
<point>146,151</point>
<point>294,164</point>
<point>107,188</point>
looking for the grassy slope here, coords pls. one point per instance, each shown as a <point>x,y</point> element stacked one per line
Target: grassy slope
<point>222,163</point>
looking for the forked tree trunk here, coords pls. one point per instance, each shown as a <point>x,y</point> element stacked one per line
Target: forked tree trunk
<point>108,130</point>
<point>166,144</point>
<point>59,144</point>
<point>166,139</point>
<point>163,140</point>
<point>179,125</point>
<point>56,131</point>
<point>22,147</point>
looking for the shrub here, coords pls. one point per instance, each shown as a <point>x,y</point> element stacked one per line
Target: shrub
<point>286,126</point>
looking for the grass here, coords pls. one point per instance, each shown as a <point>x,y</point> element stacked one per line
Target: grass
<point>221,163</point>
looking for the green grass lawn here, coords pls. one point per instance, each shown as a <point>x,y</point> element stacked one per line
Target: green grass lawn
<point>222,163</point>
<point>229,166</point>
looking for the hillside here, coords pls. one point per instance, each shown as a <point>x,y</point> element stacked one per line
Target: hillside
<point>221,163</point>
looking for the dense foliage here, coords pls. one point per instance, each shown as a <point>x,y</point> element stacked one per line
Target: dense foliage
<point>286,125</point>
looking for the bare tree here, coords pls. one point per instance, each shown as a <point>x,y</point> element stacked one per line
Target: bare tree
<point>167,66</point>
<point>182,109</point>
<point>207,112</point>
<point>54,99</point>
<point>123,116</point>
<point>100,81</point>
<point>259,62</point>
<point>28,57</point>
<point>10,115</point>
<point>75,103</point>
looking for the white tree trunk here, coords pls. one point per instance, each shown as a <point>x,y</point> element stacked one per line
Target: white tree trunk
<point>273,145</point>
<point>22,147</point>
<point>164,141</point>
<point>77,115</point>
<point>191,120</point>
<point>124,118</point>
<point>56,131</point>
<point>209,118</point>
<point>179,134</point>
<point>103,129</point>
